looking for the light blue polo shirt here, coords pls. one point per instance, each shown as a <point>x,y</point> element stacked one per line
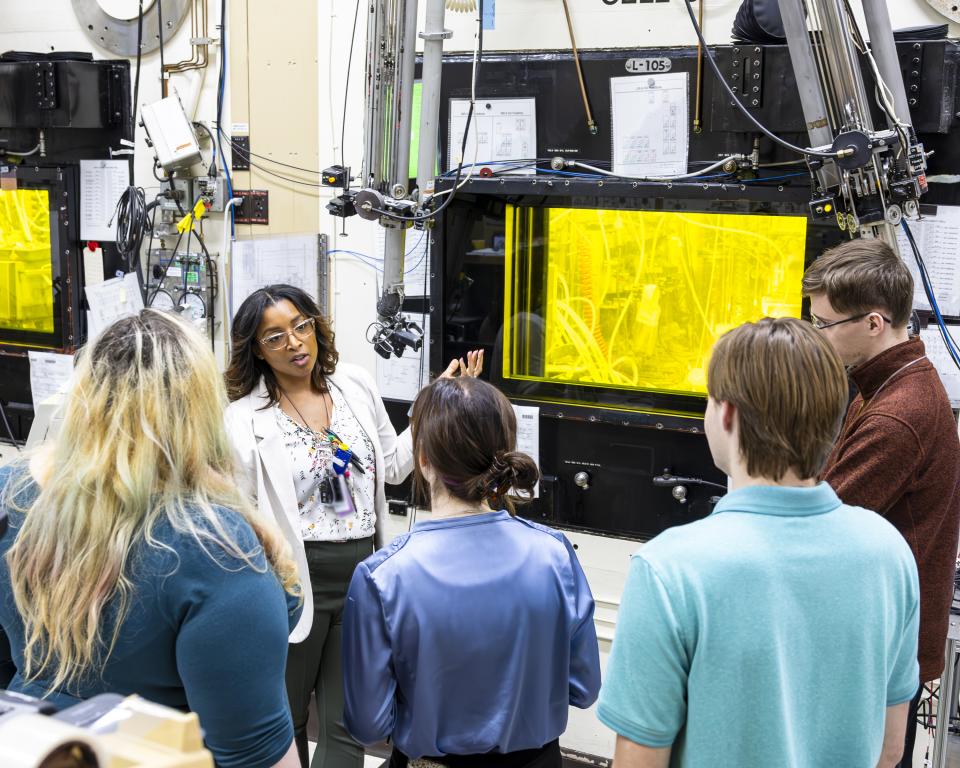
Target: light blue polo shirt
<point>775,632</point>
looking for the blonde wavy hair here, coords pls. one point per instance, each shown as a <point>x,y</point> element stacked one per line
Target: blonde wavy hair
<point>142,441</point>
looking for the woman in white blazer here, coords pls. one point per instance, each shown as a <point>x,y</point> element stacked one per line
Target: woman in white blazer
<point>314,446</point>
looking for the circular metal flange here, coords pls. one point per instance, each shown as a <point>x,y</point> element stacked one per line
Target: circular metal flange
<point>119,36</point>
<point>858,145</point>
<point>368,202</point>
<point>948,8</point>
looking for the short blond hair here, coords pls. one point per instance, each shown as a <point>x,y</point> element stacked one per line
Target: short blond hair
<point>790,391</point>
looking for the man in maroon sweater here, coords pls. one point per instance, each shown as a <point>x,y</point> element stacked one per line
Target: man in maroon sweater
<point>898,451</point>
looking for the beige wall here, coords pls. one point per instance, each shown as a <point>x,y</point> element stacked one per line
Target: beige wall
<point>273,90</point>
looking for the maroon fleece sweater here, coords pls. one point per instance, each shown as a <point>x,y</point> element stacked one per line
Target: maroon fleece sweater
<point>898,454</point>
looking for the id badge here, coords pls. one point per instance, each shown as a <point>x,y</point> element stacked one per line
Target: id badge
<point>341,501</point>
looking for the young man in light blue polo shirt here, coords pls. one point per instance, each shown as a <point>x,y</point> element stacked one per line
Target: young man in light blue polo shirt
<point>781,631</point>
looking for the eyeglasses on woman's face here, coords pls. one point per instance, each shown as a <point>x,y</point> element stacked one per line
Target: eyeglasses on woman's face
<point>303,330</point>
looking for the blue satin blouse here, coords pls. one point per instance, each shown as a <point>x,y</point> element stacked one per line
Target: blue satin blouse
<point>468,635</point>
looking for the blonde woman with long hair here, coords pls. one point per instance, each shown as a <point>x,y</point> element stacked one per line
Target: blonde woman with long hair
<point>134,565</point>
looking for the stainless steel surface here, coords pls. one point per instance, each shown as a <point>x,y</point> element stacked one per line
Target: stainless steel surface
<point>373,78</point>
<point>842,70</point>
<point>399,170</point>
<point>391,57</point>
<point>808,83</point>
<point>433,37</point>
<point>119,36</point>
<point>394,242</point>
<point>885,52</point>
<point>948,8</point>
<point>948,698</point>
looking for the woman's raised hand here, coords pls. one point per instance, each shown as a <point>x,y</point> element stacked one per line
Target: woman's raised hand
<point>472,367</point>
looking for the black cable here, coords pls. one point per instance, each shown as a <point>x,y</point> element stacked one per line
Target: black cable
<point>220,88</point>
<point>346,90</point>
<point>166,269</point>
<point>948,341</point>
<point>212,170</point>
<point>160,37</point>
<point>242,153</point>
<point>136,82</point>
<point>131,215</point>
<point>247,153</point>
<point>185,264</point>
<point>720,78</point>
<point>463,144</point>
<point>153,229</point>
<point>6,424</point>
<point>428,254</point>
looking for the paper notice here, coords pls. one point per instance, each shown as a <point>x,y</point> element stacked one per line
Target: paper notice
<point>102,182</point>
<point>501,131</point>
<point>266,261</point>
<point>938,240</point>
<point>940,357</point>
<point>649,124</point>
<point>49,374</point>
<point>111,300</point>
<point>92,266</point>
<point>528,435</point>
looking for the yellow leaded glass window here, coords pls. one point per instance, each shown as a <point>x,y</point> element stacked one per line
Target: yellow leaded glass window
<point>636,299</point>
<point>26,271</point>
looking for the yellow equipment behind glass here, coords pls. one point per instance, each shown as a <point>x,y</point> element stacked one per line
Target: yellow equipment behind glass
<point>636,299</point>
<point>26,267</point>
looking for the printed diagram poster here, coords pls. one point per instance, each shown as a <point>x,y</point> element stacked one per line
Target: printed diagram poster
<point>502,132</point>
<point>649,124</point>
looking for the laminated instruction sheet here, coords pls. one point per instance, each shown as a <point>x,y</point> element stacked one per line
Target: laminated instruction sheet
<point>528,435</point>
<point>649,124</point>
<point>938,355</point>
<point>938,240</point>
<point>49,375</point>
<point>502,132</point>
<point>111,300</point>
<point>263,261</point>
<point>102,182</point>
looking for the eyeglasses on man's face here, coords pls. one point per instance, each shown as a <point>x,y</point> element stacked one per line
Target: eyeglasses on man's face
<point>278,340</point>
<point>820,325</point>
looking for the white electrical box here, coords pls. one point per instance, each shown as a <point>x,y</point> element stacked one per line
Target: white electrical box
<point>171,134</point>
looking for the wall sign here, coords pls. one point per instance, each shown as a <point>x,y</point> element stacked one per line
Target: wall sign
<point>648,66</point>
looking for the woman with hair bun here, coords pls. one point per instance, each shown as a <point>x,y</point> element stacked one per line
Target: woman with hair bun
<point>467,639</point>
<point>314,447</point>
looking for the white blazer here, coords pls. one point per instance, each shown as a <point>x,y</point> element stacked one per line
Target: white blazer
<point>265,473</point>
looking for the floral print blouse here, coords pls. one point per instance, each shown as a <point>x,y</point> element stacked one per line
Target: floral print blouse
<point>311,455</point>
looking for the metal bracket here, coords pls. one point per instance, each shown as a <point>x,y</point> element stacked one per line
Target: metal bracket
<point>911,67</point>
<point>746,74</point>
<point>445,35</point>
<point>46,83</point>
